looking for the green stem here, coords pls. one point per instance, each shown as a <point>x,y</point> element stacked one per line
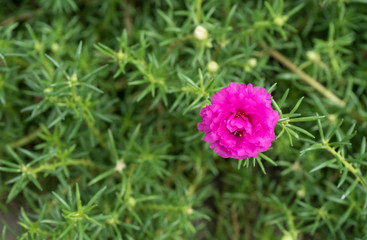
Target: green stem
<point>161,207</point>
<point>198,10</point>
<point>192,188</point>
<point>25,140</point>
<point>346,164</point>
<point>88,120</point>
<point>95,131</point>
<point>307,78</point>
<point>292,228</point>
<point>62,163</point>
<point>130,180</point>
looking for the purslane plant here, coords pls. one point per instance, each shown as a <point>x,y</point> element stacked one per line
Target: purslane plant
<point>100,102</point>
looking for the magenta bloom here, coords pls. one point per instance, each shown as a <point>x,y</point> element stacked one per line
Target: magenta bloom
<point>240,122</point>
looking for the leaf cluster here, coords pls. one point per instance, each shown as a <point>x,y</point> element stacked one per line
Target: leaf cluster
<point>99,105</point>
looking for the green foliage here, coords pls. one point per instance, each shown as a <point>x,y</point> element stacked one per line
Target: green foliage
<point>99,105</point>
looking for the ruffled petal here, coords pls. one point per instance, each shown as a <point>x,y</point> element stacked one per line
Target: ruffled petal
<point>239,122</point>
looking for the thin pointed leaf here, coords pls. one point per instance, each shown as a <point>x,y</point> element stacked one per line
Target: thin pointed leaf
<point>10,170</point>
<point>239,164</point>
<point>268,159</point>
<point>17,187</point>
<point>258,160</point>
<point>35,182</point>
<point>320,129</point>
<point>343,177</point>
<point>95,197</point>
<point>182,76</point>
<point>66,231</point>
<point>89,75</point>
<point>78,199</point>
<point>301,130</point>
<point>62,201</point>
<point>277,107</point>
<point>284,97</point>
<point>77,55</point>
<point>297,105</point>
<point>112,146</point>
<point>329,135</point>
<point>14,155</point>
<point>313,147</point>
<point>90,86</point>
<point>101,176</point>
<point>306,119</point>
<point>323,165</point>
<point>9,164</point>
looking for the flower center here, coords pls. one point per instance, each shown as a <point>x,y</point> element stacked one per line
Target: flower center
<point>239,114</point>
<point>237,133</point>
<point>238,124</point>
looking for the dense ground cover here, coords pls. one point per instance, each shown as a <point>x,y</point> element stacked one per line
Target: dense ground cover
<point>100,101</point>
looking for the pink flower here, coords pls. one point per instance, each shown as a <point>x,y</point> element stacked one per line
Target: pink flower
<point>240,122</point>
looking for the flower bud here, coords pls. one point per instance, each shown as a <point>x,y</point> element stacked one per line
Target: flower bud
<point>287,236</point>
<point>189,210</point>
<point>296,167</point>
<point>201,33</point>
<point>38,46</point>
<point>24,169</point>
<point>250,64</point>
<point>212,66</point>
<point>55,47</point>
<point>73,80</point>
<point>120,165</point>
<point>332,118</point>
<point>313,56</point>
<point>131,202</point>
<point>301,193</point>
<point>113,220</point>
<point>47,90</point>
<point>280,20</point>
<point>120,55</point>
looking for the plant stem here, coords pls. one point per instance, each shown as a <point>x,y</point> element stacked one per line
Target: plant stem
<point>62,163</point>
<point>198,10</point>
<point>192,188</point>
<point>346,164</point>
<point>160,207</point>
<point>88,120</point>
<point>25,140</point>
<point>130,180</point>
<point>307,78</point>
<point>95,131</point>
<point>236,227</point>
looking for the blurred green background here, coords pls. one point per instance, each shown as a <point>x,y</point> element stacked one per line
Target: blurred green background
<point>99,102</point>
